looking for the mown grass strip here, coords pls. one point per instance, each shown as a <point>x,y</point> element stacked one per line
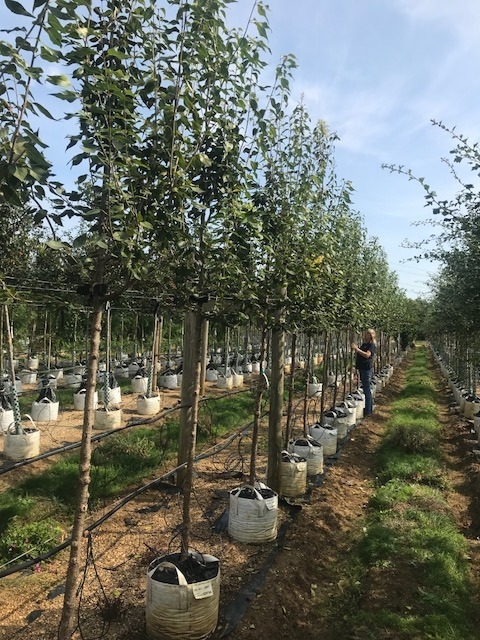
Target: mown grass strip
<point>410,578</point>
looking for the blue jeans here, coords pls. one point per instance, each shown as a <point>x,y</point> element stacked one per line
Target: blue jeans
<point>365,379</point>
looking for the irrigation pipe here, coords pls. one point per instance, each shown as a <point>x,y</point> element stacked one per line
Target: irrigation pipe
<point>202,456</point>
<point>133,423</point>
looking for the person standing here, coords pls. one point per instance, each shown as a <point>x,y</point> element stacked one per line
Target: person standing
<point>364,365</point>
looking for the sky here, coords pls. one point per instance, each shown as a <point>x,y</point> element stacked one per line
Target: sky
<point>378,72</point>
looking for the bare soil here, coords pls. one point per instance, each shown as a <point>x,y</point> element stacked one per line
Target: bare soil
<point>284,589</point>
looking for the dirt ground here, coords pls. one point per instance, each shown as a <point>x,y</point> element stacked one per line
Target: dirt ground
<point>279,590</point>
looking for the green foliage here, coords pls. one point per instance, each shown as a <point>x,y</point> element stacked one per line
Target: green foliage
<point>221,415</point>
<point>29,540</point>
<point>13,506</point>
<point>397,491</point>
<point>124,459</point>
<point>58,483</point>
<point>454,303</point>
<point>117,462</point>
<point>407,626</point>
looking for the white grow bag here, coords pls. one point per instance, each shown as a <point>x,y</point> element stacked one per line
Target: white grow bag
<point>169,381</point>
<point>224,382</point>
<point>293,475</point>
<point>6,419</point>
<point>327,436</point>
<point>73,380</point>
<point>140,384</point>
<point>182,611</point>
<point>312,451</point>
<point>148,406</point>
<point>211,375</point>
<point>79,400</point>
<point>253,519</point>
<point>45,410</point>
<point>23,445</point>
<point>106,420</point>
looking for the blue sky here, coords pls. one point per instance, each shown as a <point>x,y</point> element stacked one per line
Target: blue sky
<point>378,72</point>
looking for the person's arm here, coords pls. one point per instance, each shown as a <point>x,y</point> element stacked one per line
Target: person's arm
<point>366,354</point>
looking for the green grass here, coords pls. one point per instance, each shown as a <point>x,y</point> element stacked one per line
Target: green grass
<point>409,539</point>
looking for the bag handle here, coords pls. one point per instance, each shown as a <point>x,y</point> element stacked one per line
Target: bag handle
<point>254,489</point>
<point>182,581</point>
<point>29,417</point>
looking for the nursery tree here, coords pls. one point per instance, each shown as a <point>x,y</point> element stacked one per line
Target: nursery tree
<point>457,245</point>
<point>197,141</point>
<point>103,50</point>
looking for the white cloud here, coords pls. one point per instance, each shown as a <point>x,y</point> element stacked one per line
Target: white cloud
<point>462,17</point>
<point>361,118</point>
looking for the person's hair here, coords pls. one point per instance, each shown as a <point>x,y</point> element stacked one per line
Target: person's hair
<point>372,335</point>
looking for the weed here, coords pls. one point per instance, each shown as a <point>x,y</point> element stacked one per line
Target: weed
<point>28,540</point>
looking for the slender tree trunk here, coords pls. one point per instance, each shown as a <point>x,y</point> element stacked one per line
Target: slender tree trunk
<point>189,417</point>
<point>305,391</point>
<point>204,354</point>
<point>32,337</point>
<point>74,346</point>
<point>327,337</point>
<point>256,412</point>
<point>152,375</point>
<point>336,367</point>
<point>276,399</point>
<point>291,390</point>
<point>70,602</point>
<point>190,392</point>
<point>16,405</point>
<point>45,334</point>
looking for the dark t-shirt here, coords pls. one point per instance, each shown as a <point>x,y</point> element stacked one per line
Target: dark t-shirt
<point>361,361</point>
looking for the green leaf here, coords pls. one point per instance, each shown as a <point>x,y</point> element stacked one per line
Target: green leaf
<point>117,54</point>
<point>121,236</point>
<point>56,244</point>
<point>21,172</point>
<point>69,96</point>
<point>45,112</point>
<point>49,54</point>
<point>16,7</point>
<point>61,80</point>
<point>204,159</point>
<point>80,240</point>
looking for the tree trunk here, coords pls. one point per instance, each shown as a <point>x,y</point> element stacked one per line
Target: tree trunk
<point>16,406</point>
<point>70,602</point>
<point>256,412</point>
<point>305,391</point>
<point>291,391</point>
<point>276,402</point>
<point>204,354</point>
<point>327,338</point>
<point>189,416</point>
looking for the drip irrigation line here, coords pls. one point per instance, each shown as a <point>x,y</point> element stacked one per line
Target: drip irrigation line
<point>96,438</point>
<point>104,434</point>
<point>217,448</point>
